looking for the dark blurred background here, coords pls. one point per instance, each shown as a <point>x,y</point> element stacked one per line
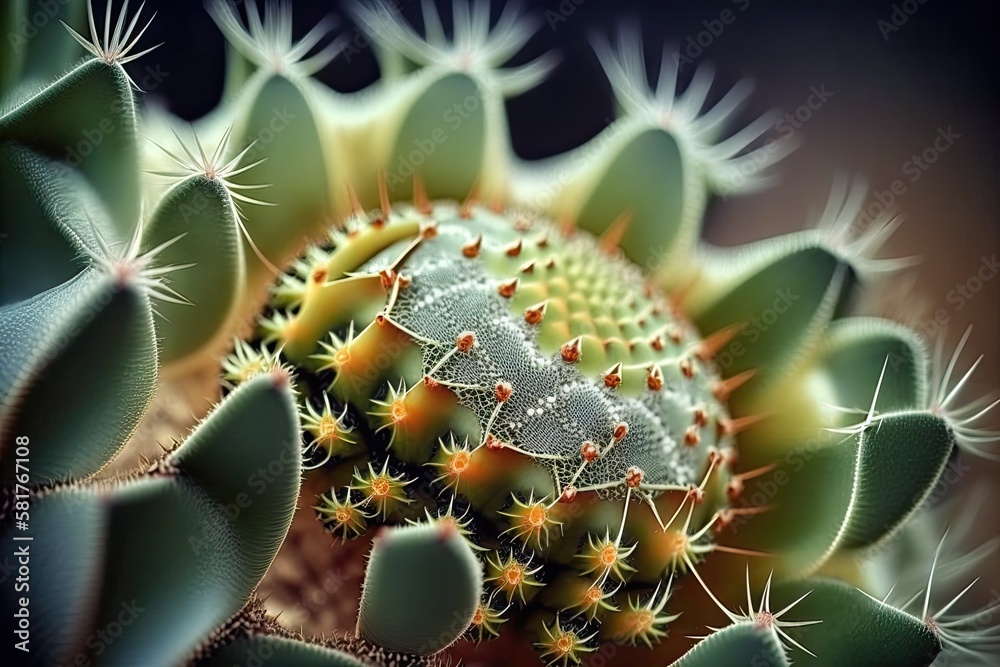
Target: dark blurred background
<point>909,97</point>
<point>895,77</point>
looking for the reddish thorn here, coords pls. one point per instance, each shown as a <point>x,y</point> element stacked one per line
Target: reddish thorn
<point>514,249</point>
<point>387,277</point>
<point>611,238</point>
<point>711,345</point>
<point>654,378</point>
<point>734,426</point>
<point>465,341</point>
<point>535,314</point>
<point>571,351</point>
<point>420,201</point>
<point>613,376</point>
<point>589,451</point>
<point>502,391</point>
<point>723,389</point>
<point>465,210</point>
<point>734,489</point>
<point>383,195</point>
<point>621,430</point>
<point>696,494</point>
<point>633,477</point>
<point>471,249</point>
<point>352,197</point>
<point>507,288</point>
<point>428,230</point>
<point>493,444</point>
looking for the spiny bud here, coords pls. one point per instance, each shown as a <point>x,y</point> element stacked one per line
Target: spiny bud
<point>507,288</point>
<point>465,341</point>
<point>535,314</point>
<point>570,351</point>
<point>621,430</point>
<point>514,249</point>
<point>613,376</point>
<point>654,378</point>
<point>502,391</point>
<point>472,248</point>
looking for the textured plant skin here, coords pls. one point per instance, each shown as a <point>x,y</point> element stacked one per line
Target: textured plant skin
<point>550,408</point>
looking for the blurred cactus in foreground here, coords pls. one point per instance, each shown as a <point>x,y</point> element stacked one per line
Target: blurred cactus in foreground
<point>552,449</point>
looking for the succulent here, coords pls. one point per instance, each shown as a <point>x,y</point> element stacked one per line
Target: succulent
<point>549,424</point>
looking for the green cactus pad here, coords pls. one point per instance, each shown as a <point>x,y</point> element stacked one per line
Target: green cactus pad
<point>856,352</point>
<point>87,118</point>
<point>644,188</point>
<point>856,629</point>
<point>181,547</point>
<point>278,118</point>
<point>409,567</point>
<point>202,212</point>
<point>50,212</point>
<point>900,459</point>
<point>92,326</point>
<point>442,138</point>
<point>740,645</point>
<point>782,295</point>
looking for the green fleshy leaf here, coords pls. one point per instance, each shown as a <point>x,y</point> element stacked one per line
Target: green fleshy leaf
<point>246,456</point>
<point>740,645</point>
<point>88,328</point>
<point>46,211</point>
<point>60,594</point>
<point>855,630</point>
<point>854,354</point>
<point>275,650</point>
<point>49,50</point>
<point>900,460</point>
<point>443,139</point>
<point>202,211</point>
<point>648,180</point>
<point>12,16</point>
<point>782,293</point>
<point>158,562</point>
<point>407,567</point>
<point>87,118</point>
<point>280,119</point>
<point>809,495</point>
<point>845,491</point>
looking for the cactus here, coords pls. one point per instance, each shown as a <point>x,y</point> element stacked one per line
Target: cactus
<point>560,426</point>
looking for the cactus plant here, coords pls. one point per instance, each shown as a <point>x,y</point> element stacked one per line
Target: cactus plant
<point>556,449</point>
